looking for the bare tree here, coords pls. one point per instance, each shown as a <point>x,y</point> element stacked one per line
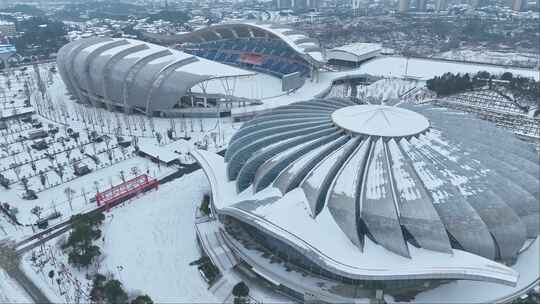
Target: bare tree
<point>17,170</point>
<point>100,119</point>
<point>68,154</point>
<point>110,153</point>
<point>96,186</point>
<point>151,123</point>
<point>43,177</point>
<point>60,171</point>
<point>142,123</point>
<point>77,112</point>
<point>36,211</point>
<point>134,121</point>
<point>172,122</point>
<point>5,146</point>
<point>108,122</point>
<point>118,123</point>
<point>25,183</point>
<point>83,192</point>
<point>70,194</point>
<point>29,151</point>
<point>135,171</point>
<point>127,122</point>
<point>122,176</point>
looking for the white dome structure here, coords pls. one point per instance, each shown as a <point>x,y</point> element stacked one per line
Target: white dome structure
<point>380,120</point>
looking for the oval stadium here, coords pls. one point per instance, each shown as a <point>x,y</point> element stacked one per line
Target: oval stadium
<point>212,70</point>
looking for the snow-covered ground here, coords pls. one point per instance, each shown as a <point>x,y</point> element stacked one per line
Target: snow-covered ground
<point>10,292</point>
<point>148,245</point>
<point>52,197</point>
<point>429,68</point>
<point>82,117</point>
<point>155,256</point>
<point>17,157</point>
<point>493,57</point>
<point>259,86</point>
<point>152,238</point>
<point>388,67</point>
<point>383,90</point>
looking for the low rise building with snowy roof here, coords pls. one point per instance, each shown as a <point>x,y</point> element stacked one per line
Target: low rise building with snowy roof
<point>354,53</point>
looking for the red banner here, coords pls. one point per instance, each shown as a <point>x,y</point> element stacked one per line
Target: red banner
<point>250,58</point>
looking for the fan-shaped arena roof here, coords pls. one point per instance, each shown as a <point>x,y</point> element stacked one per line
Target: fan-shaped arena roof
<point>374,192</point>
<point>127,72</point>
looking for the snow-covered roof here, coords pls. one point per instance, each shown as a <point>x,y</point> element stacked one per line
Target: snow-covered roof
<point>214,70</point>
<point>442,197</point>
<point>139,74</point>
<point>293,39</point>
<point>15,112</point>
<point>380,120</point>
<point>158,152</point>
<point>359,48</point>
<point>299,41</point>
<point>355,52</point>
<point>288,219</point>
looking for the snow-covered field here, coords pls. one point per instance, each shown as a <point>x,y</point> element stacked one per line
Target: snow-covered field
<point>259,86</point>
<point>388,67</point>
<point>507,58</point>
<point>10,292</point>
<point>148,245</point>
<point>59,111</point>
<point>384,90</point>
<point>429,68</point>
<point>155,255</point>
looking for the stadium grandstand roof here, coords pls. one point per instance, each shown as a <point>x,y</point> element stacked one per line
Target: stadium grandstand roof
<point>132,73</point>
<point>439,194</point>
<point>299,41</point>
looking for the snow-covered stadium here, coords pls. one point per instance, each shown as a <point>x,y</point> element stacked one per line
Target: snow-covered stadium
<point>269,48</point>
<point>333,201</point>
<point>217,68</point>
<point>137,76</point>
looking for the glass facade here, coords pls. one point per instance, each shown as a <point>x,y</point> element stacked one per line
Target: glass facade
<point>280,253</point>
